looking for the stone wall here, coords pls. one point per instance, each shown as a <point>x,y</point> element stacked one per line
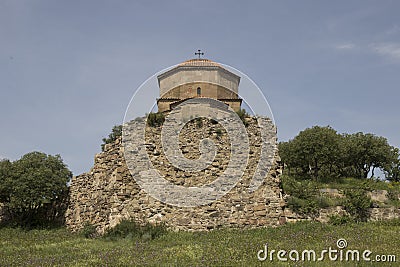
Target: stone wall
<point>108,193</point>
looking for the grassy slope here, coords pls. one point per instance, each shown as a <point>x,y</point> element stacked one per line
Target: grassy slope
<point>217,248</point>
<point>295,185</point>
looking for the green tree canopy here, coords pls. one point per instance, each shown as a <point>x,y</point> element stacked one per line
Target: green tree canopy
<point>312,150</point>
<point>392,171</point>
<point>321,151</point>
<point>34,188</point>
<point>367,152</point>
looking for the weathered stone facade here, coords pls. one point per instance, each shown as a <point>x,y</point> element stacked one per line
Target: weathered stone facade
<point>198,78</point>
<point>198,89</point>
<point>108,193</point>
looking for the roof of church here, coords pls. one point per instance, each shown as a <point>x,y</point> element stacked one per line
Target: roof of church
<point>196,63</point>
<point>199,62</point>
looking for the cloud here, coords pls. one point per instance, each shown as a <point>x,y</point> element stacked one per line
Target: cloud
<point>346,46</point>
<point>395,29</point>
<point>391,50</point>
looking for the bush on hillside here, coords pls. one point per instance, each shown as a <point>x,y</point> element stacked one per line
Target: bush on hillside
<point>131,229</point>
<point>357,203</point>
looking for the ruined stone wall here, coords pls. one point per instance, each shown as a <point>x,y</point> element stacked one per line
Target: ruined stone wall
<point>108,193</point>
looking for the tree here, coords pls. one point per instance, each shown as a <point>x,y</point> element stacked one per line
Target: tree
<point>322,152</point>
<point>367,152</point>
<point>116,132</point>
<point>5,172</point>
<point>312,150</point>
<point>393,174</point>
<point>286,155</point>
<point>34,189</point>
<point>392,171</point>
<point>348,158</point>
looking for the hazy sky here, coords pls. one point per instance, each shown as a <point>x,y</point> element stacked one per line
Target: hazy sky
<point>69,68</point>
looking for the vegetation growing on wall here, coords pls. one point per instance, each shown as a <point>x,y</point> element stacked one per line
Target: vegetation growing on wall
<point>155,119</point>
<point>116,132</point>
<point>242,113</point>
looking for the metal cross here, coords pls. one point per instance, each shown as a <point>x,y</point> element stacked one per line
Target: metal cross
<point>199,53</point>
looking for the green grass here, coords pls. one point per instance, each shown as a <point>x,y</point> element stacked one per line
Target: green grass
<point>224,247</point>
<point>347,183</point>
<point>354,183</point>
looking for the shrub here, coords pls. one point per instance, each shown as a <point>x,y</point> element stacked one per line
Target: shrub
<point>357,203</point>
<point>131,229</point>
<point>305,198</point>
<point>89,231</point>
<point>155,119</point>
<point>305,207</point>
<point>243,115</point>
<point>116,132</point>
<point>302,189</point>
<point>325,201</point>
<point>339,219</point>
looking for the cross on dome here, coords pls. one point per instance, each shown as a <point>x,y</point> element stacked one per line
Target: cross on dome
<point>199,53</point>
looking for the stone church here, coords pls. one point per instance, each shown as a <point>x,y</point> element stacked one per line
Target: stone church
<point>109,193</point>
<point>198,78</point>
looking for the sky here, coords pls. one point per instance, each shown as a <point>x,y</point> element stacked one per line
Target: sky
<point>68,69</point>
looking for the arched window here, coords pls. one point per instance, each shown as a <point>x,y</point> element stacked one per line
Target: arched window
<point>198,91</point>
